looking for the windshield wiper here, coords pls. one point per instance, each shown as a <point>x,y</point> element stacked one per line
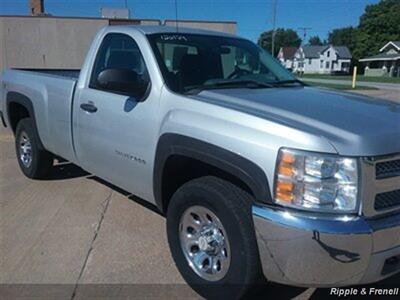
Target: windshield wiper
<point>228,84</point>
<point>289,81</point>
<point>246,83</point>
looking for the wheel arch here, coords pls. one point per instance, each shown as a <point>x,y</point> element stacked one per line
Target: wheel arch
<point>175,151</point>
<point>18,107</point>
<point>15,99</point>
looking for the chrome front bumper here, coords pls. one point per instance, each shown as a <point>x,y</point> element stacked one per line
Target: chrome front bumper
<point>314,250</point>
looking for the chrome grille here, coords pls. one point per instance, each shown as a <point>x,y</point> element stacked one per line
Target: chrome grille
<point>387,200</point>
<point>380,185</point>
<point>387,169</point>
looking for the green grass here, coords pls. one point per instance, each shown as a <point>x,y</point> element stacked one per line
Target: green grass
<point>340,86</point>
<point>348,77</point>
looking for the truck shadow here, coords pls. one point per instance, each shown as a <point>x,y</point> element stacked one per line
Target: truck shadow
<point>130,196</point>
<point>66,170</point>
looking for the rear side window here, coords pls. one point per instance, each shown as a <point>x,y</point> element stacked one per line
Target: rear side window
<point>118,51</point>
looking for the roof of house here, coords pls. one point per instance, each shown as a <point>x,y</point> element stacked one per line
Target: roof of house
<point>288,52</point>
<point>315,51</point>
<point>343,51</point>
<point>382,56</point>
<point>396,44</point>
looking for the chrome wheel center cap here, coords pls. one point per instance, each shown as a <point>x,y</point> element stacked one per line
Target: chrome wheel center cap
<point>210,240</point>
<point>203,244</point>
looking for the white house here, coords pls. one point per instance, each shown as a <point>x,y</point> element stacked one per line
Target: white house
<point>386,63</point>
<point>286,56</point>
<point>322,59</point>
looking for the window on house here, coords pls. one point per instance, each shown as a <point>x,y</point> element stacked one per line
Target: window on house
<point>328,54</point>
<point>327,65</point>
<point>309,61</point>
<point>321,64</point>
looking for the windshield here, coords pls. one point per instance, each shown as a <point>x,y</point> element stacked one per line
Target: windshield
<point>195,61</point>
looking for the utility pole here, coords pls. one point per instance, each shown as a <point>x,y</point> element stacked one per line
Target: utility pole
<point>303,42</point>
<point>304,29</point>
<point>274,5</point>
<point>176,15</point>
<point>126,3</point>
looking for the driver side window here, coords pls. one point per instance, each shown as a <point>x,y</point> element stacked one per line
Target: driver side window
<point>235,59</point>
<point>118,51</point>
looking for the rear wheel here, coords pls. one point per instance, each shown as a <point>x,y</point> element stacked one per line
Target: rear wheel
<point>34,161</point>
<point>212,239</point>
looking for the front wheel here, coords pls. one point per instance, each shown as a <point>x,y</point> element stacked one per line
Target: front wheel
<point>34,161</point>
<point>212,239</point>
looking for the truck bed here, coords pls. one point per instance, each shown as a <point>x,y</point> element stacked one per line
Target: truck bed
<point>69,73</point>
<point>51,94</point>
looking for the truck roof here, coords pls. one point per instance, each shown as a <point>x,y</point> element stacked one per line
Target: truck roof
<point>152,29</point>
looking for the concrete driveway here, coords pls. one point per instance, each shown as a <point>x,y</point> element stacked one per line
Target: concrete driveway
<point>378,85</point>
<point>75,236</point>
<point>392,95</point>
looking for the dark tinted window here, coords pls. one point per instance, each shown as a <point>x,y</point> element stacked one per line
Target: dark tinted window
<point>118,51</point>
<point>195,60</point>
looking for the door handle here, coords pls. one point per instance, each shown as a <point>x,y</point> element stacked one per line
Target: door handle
<point>89,107</point>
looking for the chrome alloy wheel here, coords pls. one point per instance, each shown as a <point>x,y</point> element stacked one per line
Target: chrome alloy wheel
<point>204,243</point>
<point>25,150</point>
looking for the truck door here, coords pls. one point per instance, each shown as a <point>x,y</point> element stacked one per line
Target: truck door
<point>113,132</point>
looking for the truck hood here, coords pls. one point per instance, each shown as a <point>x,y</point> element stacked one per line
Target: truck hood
<point>355,125</point>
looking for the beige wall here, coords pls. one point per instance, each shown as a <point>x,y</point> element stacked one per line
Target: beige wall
<point>49,42</point>
<point>2,46</point>
<point>228,27</point>
<point>46,42</point>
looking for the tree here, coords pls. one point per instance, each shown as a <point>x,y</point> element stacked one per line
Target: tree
<point>379,24</point>
<point>315,41</point>
<point>283,38</point>
<point>342,36</point>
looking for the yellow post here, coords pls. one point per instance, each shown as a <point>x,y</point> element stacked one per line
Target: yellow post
<point>353,85</point>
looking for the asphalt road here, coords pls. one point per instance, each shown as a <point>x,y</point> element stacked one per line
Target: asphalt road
<point>379,85</point>
<point>74,234</point>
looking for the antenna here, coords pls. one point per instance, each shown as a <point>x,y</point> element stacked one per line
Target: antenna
<point>176,15</point>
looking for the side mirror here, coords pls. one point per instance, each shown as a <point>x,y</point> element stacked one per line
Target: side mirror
<point>123,81</point>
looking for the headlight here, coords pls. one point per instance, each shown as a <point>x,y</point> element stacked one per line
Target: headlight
<point>316,182</point>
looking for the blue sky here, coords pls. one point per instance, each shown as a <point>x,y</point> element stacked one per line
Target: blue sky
<point>252,16</point>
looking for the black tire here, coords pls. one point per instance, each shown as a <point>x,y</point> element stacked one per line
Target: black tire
<point>41,160</point>
<point>232,206</point>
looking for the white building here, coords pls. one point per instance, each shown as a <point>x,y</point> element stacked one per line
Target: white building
<point>385,63</point>
<point>322,59</point>
<point>286,57</point>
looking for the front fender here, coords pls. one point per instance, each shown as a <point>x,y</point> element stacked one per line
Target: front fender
<point>175,144</point>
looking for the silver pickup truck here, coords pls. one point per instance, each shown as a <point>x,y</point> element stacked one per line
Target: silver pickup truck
<point>259,176</point>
